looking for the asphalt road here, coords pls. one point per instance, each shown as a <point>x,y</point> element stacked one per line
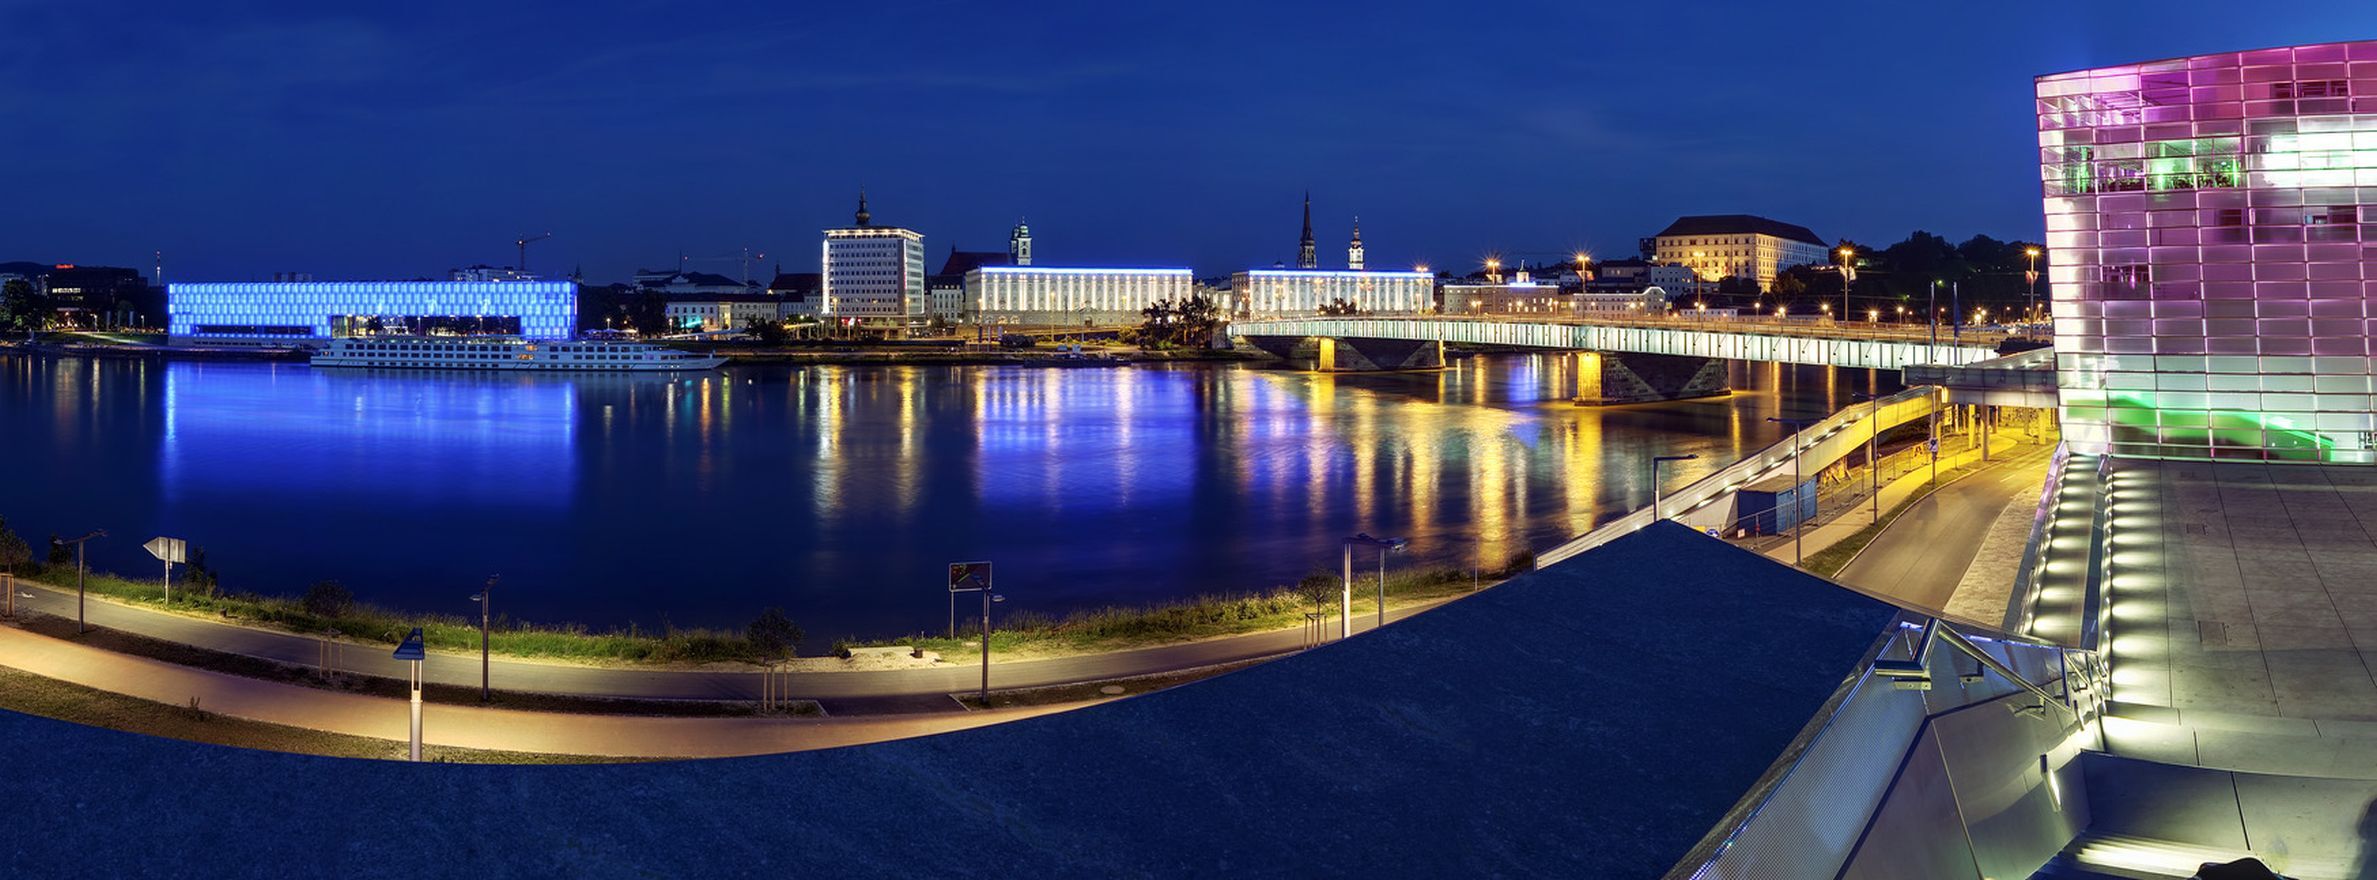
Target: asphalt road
<point>839,691</point>
<point>1924,553</point>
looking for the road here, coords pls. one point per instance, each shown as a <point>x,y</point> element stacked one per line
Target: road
<point>1922,555</point>
<point>843,691</point>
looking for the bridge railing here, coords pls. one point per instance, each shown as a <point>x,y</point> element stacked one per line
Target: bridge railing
<point>1945,336</point>
<point>1896,409</point>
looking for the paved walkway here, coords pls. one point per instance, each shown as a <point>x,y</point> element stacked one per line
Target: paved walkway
<point>468,726</point>
<point>1931,549</point>
<point>840,692</point>
<point>2243,619</point>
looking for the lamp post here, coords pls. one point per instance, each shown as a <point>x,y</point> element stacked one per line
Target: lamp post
<point>1848,274</point>
<point>1931,349</point>
<point>1655,462</point>
<point>1384,545</point>
<point>2030,276</point>
<point>1799,518</point>
<point>484,598</point>
<point>413,651</point>
<point>81,572</point>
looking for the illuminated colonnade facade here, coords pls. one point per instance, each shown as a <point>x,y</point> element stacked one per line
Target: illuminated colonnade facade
<point>1298,292</point>
<point>1052,295</point>
<point>2204,227</point>
<point>285,313</point>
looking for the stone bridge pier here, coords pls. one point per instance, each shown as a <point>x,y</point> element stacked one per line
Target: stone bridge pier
<point>1604,378</point>
<point>1333,355</point>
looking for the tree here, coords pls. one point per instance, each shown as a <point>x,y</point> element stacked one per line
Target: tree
<point>58,554</point>
<point>773,635</point>
<point>22,309</point>
<point>647,313</point>
<point>768,332</point>
<point>1337,307</point>
<point>328,599</point>
<point>13,549</point>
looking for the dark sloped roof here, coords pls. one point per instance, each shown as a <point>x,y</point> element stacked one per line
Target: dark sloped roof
<point>962,262</point>
<point>1594,719</point>
<point>1738,224</point>
<point>797,281</point>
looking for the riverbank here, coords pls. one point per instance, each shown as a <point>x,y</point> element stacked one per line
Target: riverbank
<point>1022,636</point>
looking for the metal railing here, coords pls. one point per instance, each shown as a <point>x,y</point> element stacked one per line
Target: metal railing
<point>1808,814</point>
<point>1891,411</point>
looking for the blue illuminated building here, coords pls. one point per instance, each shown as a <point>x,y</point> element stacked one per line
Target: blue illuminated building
<point>285,313</point>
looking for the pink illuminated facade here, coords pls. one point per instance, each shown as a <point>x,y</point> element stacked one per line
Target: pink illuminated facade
<point>2210,222</point>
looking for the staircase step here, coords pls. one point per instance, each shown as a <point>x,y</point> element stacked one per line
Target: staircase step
<point>2247,743</point>
<point>2142,858</point>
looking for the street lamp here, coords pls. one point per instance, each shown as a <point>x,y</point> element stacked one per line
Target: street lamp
<point>81,572</point>
<point>1848,274</point>
<point>1655,461</point>
<point>1384,545</point>
<point>1346,598</point>
<point>2031,276</point>
<point>484,597</point>
<point>1799,518</point>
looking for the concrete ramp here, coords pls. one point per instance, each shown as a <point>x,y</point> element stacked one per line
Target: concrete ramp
<point>1594,719</point>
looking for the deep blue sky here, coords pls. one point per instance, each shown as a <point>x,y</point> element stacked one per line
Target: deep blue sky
<point>248,138</point>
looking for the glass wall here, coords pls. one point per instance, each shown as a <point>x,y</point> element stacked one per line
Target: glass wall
<point>280,312</point>
<point>2205,236</point>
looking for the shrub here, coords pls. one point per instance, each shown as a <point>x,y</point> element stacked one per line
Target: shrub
<point>327,599</point>
<point>772,635</point>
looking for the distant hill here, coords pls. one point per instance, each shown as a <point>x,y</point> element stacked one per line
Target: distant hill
<point>29,270</point>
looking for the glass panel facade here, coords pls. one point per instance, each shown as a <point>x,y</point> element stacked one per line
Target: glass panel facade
<point>279,312</point>
<point>2208,267</point>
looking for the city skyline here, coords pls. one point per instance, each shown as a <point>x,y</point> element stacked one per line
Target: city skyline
<point>243,144</point>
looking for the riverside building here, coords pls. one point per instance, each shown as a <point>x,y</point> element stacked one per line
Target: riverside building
<point>1717,246</point>
<point>1071,296</point>
<point>279,314</point>
<point>874,276</point>
<point>2207,269</point>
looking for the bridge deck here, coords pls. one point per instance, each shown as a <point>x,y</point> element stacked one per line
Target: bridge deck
<point>1839,344</point>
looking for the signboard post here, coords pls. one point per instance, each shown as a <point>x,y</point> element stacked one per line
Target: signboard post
<point>413,650</point>
<point>170,551</point>
<point>973,577</point>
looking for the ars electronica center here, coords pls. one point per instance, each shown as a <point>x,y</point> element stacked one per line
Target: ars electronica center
<point>2205,222</point>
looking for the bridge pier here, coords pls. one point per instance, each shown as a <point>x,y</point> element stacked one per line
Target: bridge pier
<point>1604,378</point>
<point>1330,354</point>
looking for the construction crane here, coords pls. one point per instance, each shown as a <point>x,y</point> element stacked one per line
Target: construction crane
<point>745,257</point>
<point>523,242</point>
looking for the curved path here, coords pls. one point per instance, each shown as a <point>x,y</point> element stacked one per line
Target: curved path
<point>839,691</point>
<point>1924,553</point>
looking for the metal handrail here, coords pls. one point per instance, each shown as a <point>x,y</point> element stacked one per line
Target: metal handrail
<point>2034,556</point>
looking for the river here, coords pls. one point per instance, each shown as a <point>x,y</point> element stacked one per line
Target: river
<point>837,493</point>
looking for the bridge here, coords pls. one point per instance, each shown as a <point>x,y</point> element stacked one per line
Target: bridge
<point>1790,341</point>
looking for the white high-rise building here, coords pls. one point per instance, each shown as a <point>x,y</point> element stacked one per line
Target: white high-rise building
<point>874,275</point>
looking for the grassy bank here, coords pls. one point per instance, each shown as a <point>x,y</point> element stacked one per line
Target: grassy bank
<point>1117,628</point>
<point>50,698</point>
<point>1025,633</point>
<point>370,623</point>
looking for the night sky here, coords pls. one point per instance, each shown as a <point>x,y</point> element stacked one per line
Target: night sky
<point>245,139</point>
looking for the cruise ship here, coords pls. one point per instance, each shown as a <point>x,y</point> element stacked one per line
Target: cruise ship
<point>507,353</point>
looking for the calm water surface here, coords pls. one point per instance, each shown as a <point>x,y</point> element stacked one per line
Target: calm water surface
<point>838,493</point>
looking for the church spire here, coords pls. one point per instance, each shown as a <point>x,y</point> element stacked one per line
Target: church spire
<point>1306,257</point>
<point>863,217</point>
<point>1353,252</point>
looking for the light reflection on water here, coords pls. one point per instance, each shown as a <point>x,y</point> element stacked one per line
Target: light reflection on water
<point>837,492</point>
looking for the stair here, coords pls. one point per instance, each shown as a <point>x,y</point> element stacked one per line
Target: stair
<point>2318,748</point>
<point>2099,856</point>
